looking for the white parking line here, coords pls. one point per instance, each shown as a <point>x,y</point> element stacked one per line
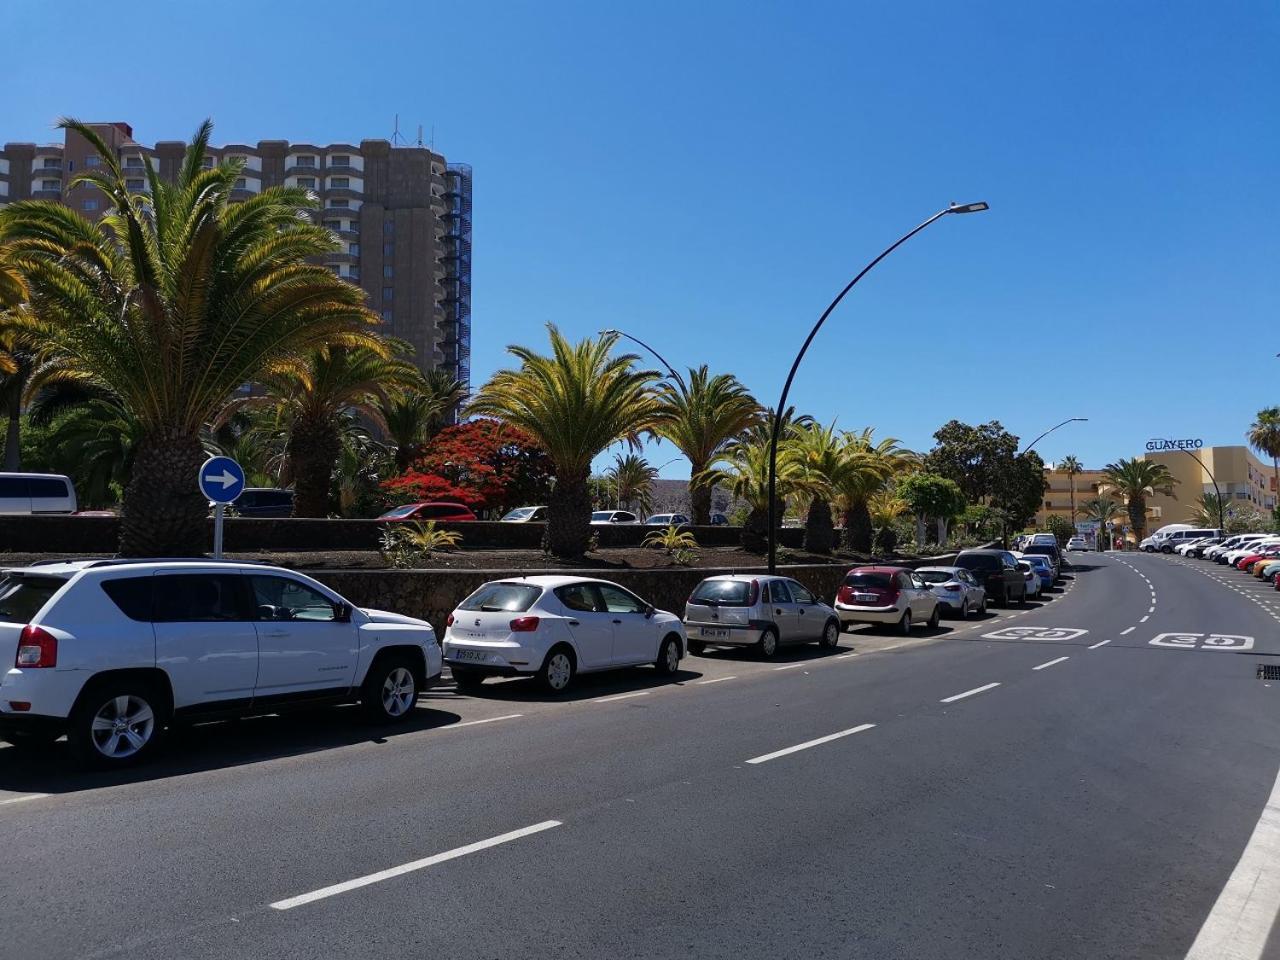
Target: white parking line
<point>969,693</point>
<point>1151,609</point>
<point>29,796</point>
<point>472,723</point>
<point>1145,619</point>
<point>1103,643</point>
<point>716,680</point>
<point>1050,663</point>
<point>337,888</point>
<point>792,666</point>
<point>1241,919</point>
<point>844,656</point>
<point>810,743</point>
<point>622,696</point>
<point>1127,630</point>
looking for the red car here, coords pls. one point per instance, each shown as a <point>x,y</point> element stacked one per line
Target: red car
<point>421,512</point>
<point>1246,563</point>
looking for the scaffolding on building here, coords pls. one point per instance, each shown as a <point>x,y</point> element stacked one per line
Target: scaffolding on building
<point>456,244</point>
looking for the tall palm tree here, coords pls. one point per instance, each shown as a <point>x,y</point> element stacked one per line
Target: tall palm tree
<point>1102,509</point>
<point>871,464</point>
<point>819,455</point>
<point>743,467</point>
<point>1135,480</point>
<point>1264,436</point>
<point>172,301</point>
<point>15,361</point>
<point>573,403</point>
<point>631,480</point>
<point>312,394</point>
<point>700,415</point>
<point>1206,513</point>
<point>1071,466</point>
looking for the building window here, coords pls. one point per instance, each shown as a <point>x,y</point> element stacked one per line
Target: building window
<point>89,205</point>
<point>334,225</point>
<point>387,272</point>
<point>134,185</point>
<point>340,160</point>
<point>238,158</point>
<point>353,249</point>
<point>354,273</point>
<point>307,182</point>
<point>386,316</point>
<point>388,250</point>
<point>49,185</point>
<point>305,161</point>
<point>206,163</point>
<point>134,161</point>
<point>388,226</point>
<point>241,183</point>
<point>92,161</point>
<point>51,163</point>
<point>388,293</point>
<point>339,202</point>
<point>339,183</point>
<point>1048,505</point>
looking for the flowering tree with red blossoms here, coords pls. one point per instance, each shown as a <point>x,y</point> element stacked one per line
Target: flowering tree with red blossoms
<point>483,463</point>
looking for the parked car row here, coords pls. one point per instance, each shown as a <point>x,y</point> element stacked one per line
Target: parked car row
<point>1257,554</point>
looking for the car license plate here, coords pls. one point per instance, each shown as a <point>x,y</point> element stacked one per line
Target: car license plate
<point>865,597</point>
<point>470,655</point>
<point>715,633</point>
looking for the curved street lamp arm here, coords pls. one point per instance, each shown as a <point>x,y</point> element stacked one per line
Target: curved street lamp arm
<point>1222,521</point>
<point>1049,431</point>
<point>661,359</point>
<point>795,365</point>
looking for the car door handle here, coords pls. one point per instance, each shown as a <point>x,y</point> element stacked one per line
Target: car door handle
<point>575,623</point>
<point>276,633</point>
<point>616,620</point>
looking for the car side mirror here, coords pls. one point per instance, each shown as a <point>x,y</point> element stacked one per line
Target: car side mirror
<point>649,611</point>
<point>342,612</point>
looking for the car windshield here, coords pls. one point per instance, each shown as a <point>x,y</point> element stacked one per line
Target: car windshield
<point>21,597</point>
<point>722,593</point>
<point>520,513</point>
<point>404,511</point>
<point>934,576</point>
<point>876,579</point>
<point>502,597</point>
<point>659,518</point>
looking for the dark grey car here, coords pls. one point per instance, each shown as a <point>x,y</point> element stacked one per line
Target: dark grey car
<point>997,571</point>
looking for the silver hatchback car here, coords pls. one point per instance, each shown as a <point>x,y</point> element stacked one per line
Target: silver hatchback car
<point>740,610</point>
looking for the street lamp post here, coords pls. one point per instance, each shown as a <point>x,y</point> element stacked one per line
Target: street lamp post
<point>795,365</point>
<point>1222,521</point>
<point>1027,448</point>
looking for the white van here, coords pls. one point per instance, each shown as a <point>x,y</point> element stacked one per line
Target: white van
<point>27,493</point>
<point>1175,539</point>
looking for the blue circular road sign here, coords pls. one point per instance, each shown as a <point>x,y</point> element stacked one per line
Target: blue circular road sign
<point>221,479</point>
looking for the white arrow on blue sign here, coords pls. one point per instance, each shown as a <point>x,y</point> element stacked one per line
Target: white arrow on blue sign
<point>221,479</point>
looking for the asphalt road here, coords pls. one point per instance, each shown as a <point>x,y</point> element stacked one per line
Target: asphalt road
<point>1083,778</point>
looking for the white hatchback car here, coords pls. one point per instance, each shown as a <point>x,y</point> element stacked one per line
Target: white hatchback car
<point>555,627</point>
<point>740,610</point>
<point>109,652</point>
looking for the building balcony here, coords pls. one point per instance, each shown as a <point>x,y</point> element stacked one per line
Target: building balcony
<point>46,194</point>
<point>331,192</point>
<point>341,257</point>
<point>303,170</point>
<point>343,170</point>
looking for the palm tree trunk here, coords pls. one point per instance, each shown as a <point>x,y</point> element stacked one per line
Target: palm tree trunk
<point>943,525</point>
<point>1275,507</point>
<point>858,528</point>
<point>755,532</point>
<point>568,530</point>
<point>313,450</point>
<point>164,514</point>
<point>699,497</point>
<point>1138,515</point>
<point>920,531</point>
<point>819,531</point>
<point>13,435</point>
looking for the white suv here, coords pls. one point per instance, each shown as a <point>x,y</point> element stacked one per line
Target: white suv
<point>109,652</point>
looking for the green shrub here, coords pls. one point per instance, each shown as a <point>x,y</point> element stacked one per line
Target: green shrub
<point>411,544</point>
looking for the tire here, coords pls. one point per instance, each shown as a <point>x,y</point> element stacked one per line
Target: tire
<point>697,647</point>
<point>1004,596</point>
<point>830,635</point>
<point>964,609</point>
<point>768,644</point>
<point>668,661</point>
<point>904,625</point>
<point>982,607</point>
<point>1166,549</point>
<point>117,723</point>
<point>1022,597</point>
<point>935,618</point>
<point>558,669</point>
<point>390,689</point>
<point>467,679</point>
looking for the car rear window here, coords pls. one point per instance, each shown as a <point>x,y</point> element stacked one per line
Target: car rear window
<point>14,487</point>
<point>404,511</point>
<point>978,561</point>
<point>132,595</point>
<point>21,597</point>
<point>722,593</point>
<point>47,487</point>
<point>933,576</point>
<point>504,597</point>
<point>884,581</point>
<point>1041,549</point>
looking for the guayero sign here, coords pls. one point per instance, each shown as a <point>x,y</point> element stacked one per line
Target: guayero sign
<point>1160,444</point>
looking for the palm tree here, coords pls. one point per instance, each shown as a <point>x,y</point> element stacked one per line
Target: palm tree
<point>1135,480</point>
<point>312,394</point>
<point>743,466</point>
<point>700,416</point>
<point>15,362</point>
<point>172,301</point>
<point>870,466</point>
<point>1071,466</point>
<point>573,403</point>
<point>1264,436</point>
<point>1102,509</point>
<point>413,418</point>
<point>1206,513</point>
<point>819,455</point>
<point>631,480</point>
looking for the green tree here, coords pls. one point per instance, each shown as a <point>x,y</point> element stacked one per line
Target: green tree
<point>631,482</point>
<point>172,301</point>
<point>1071,466</point>
<point>819,455</point>
<point>978,459</point>
<point>1019,488</point>
<point>930,496</point>
<point>1135,480</point>
<point>868,465</point>
<point>573,403</point>
<point>15,359</point>
<point>311,395</point>
<point>1062,529</point>
<point>743,467</point>
<point>1102,509</point>
<point>1264,436</point>
<point>1206,514</point>
<point>700,415</point>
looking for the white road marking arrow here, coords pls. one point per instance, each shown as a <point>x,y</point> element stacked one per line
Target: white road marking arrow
<point>227,478</point>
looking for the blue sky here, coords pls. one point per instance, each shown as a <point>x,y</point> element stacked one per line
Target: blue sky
<point>707,176</point>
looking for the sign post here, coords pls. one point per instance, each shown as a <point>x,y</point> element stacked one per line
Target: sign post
<point>221,481</point>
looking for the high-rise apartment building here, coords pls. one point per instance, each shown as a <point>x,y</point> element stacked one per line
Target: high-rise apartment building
<point>402,216</point>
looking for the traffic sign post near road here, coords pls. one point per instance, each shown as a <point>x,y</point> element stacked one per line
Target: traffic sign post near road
<point>221,480</point>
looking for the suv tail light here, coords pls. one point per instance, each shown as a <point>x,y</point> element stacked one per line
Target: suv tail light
<point>845,594</point>
<point>524,624</point>
<point>37,647</point>
<point>952,588</point>
<point>449,622</point>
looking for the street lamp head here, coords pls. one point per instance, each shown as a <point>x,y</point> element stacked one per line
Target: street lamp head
<point>968,207</point>
<point>602,333</point>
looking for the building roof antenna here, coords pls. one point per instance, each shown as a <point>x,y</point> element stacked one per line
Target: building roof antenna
<point>396,139</point>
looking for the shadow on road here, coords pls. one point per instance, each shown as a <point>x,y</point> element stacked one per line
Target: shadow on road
<point>214,746</point>
<point>586,686</point>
